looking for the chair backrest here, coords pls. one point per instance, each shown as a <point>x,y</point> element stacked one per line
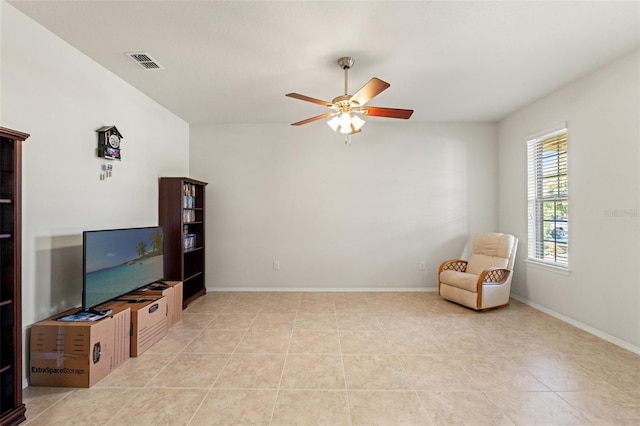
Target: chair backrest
<point>491,250</point>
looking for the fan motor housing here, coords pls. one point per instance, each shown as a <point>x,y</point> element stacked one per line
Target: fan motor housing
<point>345,62</point>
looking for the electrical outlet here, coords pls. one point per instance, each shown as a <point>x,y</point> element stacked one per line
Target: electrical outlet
<point>423,266</point>
<point>276,265</point>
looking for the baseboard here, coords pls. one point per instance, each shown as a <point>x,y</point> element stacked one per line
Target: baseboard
<point>325,289</point>
<point>584,327</point>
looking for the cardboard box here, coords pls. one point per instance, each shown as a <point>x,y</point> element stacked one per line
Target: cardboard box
<point>148,320</point>
<point>177,303</point>
<point>76,354</point>
<point>173,293</point>
<point>121,336</point>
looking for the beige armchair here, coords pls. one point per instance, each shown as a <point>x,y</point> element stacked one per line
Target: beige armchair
<point>484,281</point>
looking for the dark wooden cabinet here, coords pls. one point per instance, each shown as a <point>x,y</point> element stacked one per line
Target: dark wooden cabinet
<point>182,217</point>
<point>12,409</point>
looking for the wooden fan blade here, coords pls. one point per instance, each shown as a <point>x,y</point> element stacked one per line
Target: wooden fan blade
<point>374,87</point>
<point>309,99</point>
<point>309,120</point>
<point>388,112</point>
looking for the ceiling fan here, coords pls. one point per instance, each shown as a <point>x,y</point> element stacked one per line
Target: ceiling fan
<point>346,109</point>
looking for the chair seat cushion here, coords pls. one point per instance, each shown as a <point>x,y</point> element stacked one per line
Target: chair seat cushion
<point>461,280</point>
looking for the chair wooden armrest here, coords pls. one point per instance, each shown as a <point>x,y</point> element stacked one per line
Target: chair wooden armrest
<point>453,265</point>
<point>493,276</point>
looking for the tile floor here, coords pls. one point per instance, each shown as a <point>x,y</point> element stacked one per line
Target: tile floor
<point>358,359</point>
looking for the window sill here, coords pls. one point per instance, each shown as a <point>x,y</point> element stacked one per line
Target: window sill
<point>547,266</point>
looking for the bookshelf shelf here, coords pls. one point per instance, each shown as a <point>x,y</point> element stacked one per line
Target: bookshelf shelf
<point>182,217</point>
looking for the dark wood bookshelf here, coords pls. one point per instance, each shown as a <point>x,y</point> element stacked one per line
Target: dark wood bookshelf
<point>12,408</point>
<point>182,217</point>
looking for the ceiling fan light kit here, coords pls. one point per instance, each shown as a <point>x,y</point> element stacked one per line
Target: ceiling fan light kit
<point>347,109</point>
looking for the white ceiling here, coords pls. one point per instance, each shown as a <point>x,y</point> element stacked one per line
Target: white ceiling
<point>233,62</point>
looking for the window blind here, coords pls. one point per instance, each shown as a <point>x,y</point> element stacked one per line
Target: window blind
<point>548,199</point>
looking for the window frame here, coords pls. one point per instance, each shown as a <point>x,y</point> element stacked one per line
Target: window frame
<point>538,224</point>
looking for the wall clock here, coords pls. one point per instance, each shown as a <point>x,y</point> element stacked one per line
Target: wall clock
<point>109,139</point>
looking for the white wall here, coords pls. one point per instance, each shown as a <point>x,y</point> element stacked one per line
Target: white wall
<point>342,217</point>
<point>60,97</point>
<point>602,290</point>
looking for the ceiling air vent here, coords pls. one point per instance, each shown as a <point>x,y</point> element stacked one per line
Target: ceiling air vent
<point>145,61</point>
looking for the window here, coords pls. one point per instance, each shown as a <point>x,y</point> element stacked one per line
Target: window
<point>548,201</point>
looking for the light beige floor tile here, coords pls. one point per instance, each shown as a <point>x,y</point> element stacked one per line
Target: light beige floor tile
<point>454,308</point>
<point>415,341</point>
<point>243,307</point>
<point>448,323</point>
<point>206,306</point>
<point>621,372</point>
<point>518,343</point>
<point>365,342</point>
<point>347,305</point>
<point>232,321</point>
<point>508,352</point>
<point>174,342</point>
<point>93,406</point>
<point>463,408</point>
<point>575,342</point>
<point>606,408</point>
<point>248,296</point>
<point>466,343</point>
<point>281,304</point>
<point>268,341</point>
<point>319,296</point>
<point>538,322</point>
<point>284,296</point>
<point>537,408</point>
<point>501,373</point>
<point>403,322</point>
<point>252,371</point>
<point>437,373</point>
<point>160,407</point>
<point>318,306</point>
<point>38,398</point>
<point>560,374</point>
<point>191,321</point>
<point>357,322</point>
<point>212,341</point>
<point>315,322</point>
<point>273,321</point>
<point>313,372</point>
<point>312,407</point>
<point>136,372</point>
<point>387,408</point>
<point>190,371</point>
<point>236,407</point>
<point>326,342</point>
<point>375,372</point>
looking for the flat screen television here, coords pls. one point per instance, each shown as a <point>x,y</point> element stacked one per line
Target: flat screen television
<point>118,261</point>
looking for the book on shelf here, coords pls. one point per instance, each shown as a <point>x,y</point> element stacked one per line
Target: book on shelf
<point>189,241</point>
<point>188,202</point>
<point>188,216</point>
<point>189,189</point>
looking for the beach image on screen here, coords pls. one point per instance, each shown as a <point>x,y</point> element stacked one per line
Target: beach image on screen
<point>119,261</point>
